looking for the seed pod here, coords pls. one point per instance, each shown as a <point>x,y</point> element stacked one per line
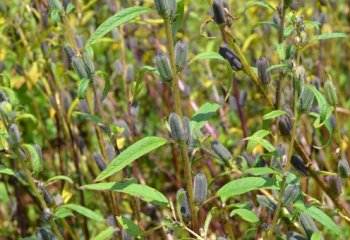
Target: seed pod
<point>200,187</point>
<point>285,125</point>
<point>3,97</point>
<point>266,202</point>
<point>262,65</point>
<point>89,64</point>
<point>334,185</point>
<point>221,151</point>
<point>118,67</point>
<point>300,74</point>
<point>182,201</point>
<point>330,93</point>
<point>295,236</point>
<point>163,7</point>
<point>172,8</point>
<point>231,57</point>
<point>343,168</point>
<point>299,165</point>
<point>45,192</point>
<point>55,4</point>
<point>126,235</point>
<point>14,136</point>
<point>163,67</point>
<point>219,12</point>
<point>79,67</point>
<point>181,50</point>
<point>99,161</point>
<point>305,100</point>
<point>290,194</point>
<point>308,224</point>
<point>44,234</point>
<point>129,73</point>
<point>187,130</point>
<point>47,214</point>
<point>177,131</point>
<point>68,51</point>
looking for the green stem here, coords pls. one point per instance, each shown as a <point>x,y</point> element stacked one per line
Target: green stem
<point>339,138</point>
<point>280,40</point>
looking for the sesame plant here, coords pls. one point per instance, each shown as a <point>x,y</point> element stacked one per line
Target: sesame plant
<point>174,119</point>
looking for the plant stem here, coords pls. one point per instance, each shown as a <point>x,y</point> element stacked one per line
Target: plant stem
<point>339,138</point>
<point>280,40</point>
<point>177,105</point>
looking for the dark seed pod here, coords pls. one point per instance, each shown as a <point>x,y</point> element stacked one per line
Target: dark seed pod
<point>334,185</point>
<point>181,199</point>
<point>308,224</point>
<point>262,66</point>
<point>181,50</point>
<point>46,194</point>
<point>290,194</point>
<point>163,7</point>
<point>89,64</point>
<point>295,236</point>
<point>68,51</point>
<point>79,67</point>
<point>129,73</point>
<point>99,161</point>
<point>330,93</point>
<point>343,168</point>
<point>305,100</point>
<point>266,202</point>
<point>172,8</point>
<point>277,21</point>
<point>3,97</point>
<point>118,67</point>
<point>299,165</point>
<point>219,12</point>
<point>187,130</point>
<point>221,151</point>
<point>200,187</point>
<point>285,125</point>
<point>177,131</point>
<point>44,234</point>
<point>163,67</point>
<point>231,57</point>
<point>14,136</point>
<point>126,235</point>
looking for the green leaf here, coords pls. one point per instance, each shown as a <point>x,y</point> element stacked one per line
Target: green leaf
<point>259,3</point>
<point>247,215</point>
<point>274,114</point>
<point>84,211</point>
<point>243,185</point>
<point>6,170</point>
<point>316,236</point>
<point>26,116</point>
<point>130,154</point>
<point>319,216</point>
<point>82,87</point>
<point>281,50</point>
<point>132,188</point>
<point>260,171</point>
<point>62,213</point>
<point>328,36</point>
<point>129,226</point>
<point>288,30</point>
<point>107,86</point>
<point>90,117</point>
<point>35,158</point>
<point>328,126</point>
<point>121,17</point>
<point>58,178</point>
<point>105,234</point>
<point>142,71</point>
<point>178,20</point>
<point>276,66</point>
<point>203,114</point>
<point>260,134</point>
<point>322,104</point>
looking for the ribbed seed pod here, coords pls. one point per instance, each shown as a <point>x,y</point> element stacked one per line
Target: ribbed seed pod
<point>306,100</point>
<point>68,51</point>
<point>89,64</point>
<point>44,234</point>
<point>231,57</point>
<point>79,67</point>
<point>126,235</point>
<point>290,194</point>
<point>295,236</point>
<point>334,184</point>
<point>262,65</point>
<point>285,125</point>
<point>14,136</point>
<point>181,50</point>
<point>330,93</point>
<point>45,192</point>
<point>55,5</point>
<point>187,130</point>
<point>299,165</point>
<point>184,207</point>
<point>343,168</point>
<point>221,151</point>
<point>266,202</point>
<point>308,224</point>
<point>163,67</point>
<point>200,187</point>
<point>129,73</point>
<point>219,12</point>
<point>172,8</point>
<point>162,7</point>
<point>99,161</point>
<point>177,131</point>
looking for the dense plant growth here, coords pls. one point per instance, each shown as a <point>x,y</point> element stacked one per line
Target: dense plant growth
<point>174,119</point>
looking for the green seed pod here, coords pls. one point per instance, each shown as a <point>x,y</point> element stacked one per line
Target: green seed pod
<point>266,202</point>
<point>221,151</point>
<point>285,125</point>
<point>55,4</point>
<point>177,131</point>
<point>295,236</point>
<point>334,185</point>
<point>262,65</point>
<point>89,64</point>
<point>305,100</point>
<point>290,194</point>
<point>14,136</point>
<point>129,73</point>
<point>99,161</point>
<point>172,8</point>
<point>181,50</point>
<point>299,165</point>
<point>44,234</point>
<point>163,67</point>
<point>219,12</point>
<point>330,93</point>
<point>181,199</point>
<point>79,67</point>
<point>200,187</point>
<point>187,130</point>
<point>163,7</point>
<point>231,57</point>
<point>308,224</point>
<point>343,168</point>
<point>68,51</point>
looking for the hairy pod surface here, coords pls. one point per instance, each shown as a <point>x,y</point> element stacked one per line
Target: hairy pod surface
<point>295,236</point>
<point>163,67</point>
<point>334,185</point>
<point>183,202</point>
<point>79,67</point>
<point>130,73</point>
<point>68,51</point>
<point>266,202</point>
<point>285,125</point>
<point>163,7</point>
<point>219,12</point>
<point>262,66</point>
<point>14,136</point>
<point>306,100</point>
<point>187,130</point>
<point>308,224</point>
<point>177,131</point>
<point>299,165</point>
<point>290,194</point>
<point>231,57</point>
<point>343,168</point>
<point>89,64</point>
<point>181,51</point>
<point>330,93</point>
<point>200,187</point>
<point>99,161</point>
<point>221,151</point>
